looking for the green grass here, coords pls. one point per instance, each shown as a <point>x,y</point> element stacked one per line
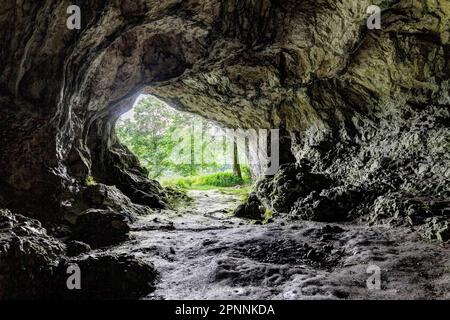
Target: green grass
<point>208,181</point>
<point>243,191</point>
<point>219,179</point>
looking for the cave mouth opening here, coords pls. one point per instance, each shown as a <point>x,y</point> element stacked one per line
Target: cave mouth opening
<point>184,150</point>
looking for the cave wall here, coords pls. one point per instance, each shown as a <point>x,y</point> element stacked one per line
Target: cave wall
<point>363,116</point>
<point>353,102</point>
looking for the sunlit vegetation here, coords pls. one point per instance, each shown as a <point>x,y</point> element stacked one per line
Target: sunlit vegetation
<point>181,149</point>
<point>213,180</point>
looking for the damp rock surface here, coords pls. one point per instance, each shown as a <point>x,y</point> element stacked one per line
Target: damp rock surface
<point>107,276</point>
<point>367,108</point>
<point>203,252</point>
<point>364,139</point>
<point>101,227</point>
<point>27,256</point>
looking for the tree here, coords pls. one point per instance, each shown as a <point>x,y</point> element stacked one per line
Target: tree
<point>150,134</point>
<point>192,145</point>
<point>236,166</point>
<point>170,143</point>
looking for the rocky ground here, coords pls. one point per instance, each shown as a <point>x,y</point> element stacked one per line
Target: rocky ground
<point>203,252</point>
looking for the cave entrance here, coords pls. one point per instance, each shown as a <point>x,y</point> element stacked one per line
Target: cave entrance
<point>184,150</point>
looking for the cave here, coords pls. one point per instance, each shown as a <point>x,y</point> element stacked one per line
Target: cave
<point>363,174</point>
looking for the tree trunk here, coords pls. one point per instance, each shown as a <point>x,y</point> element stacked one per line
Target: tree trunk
<point>224,148</point>
<point>247,150</point>
<point>236,166</point>
<point>203,145</point>
<point>192,151</point>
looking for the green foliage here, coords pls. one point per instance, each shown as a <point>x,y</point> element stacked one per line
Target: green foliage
<point>268,214</point>
<point>246,174</point>
<point>177,196</point>
<point>181,149</point>
<point>151,134</point>
<point>243,192</point>
<point>218,179</point>
<point>180,182</point>
<point>90,181</point>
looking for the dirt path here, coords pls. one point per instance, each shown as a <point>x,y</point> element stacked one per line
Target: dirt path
<point>203,253</point>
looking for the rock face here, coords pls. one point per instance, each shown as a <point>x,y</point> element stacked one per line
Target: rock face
<point>252,209</point>
<point>27,256</point>
<point>101,227</point>
<point>291,182</point>
<point>32,266</point>
<point>369,109</point>
<point>107,277</point>
<point>75,248</point>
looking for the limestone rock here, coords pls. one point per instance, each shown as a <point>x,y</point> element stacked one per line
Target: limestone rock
<point>27,256</point>
<point>107,277</point>
<point>291,182</point>
<point>410,209</point>
<point>101,227</point>
<point>328,205</point>
<point>252,209</point>
<point>106,197</point>
<point>75,248</point>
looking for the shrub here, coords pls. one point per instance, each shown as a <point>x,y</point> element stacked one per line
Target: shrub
<point>181,182</point>
<point>219,179</point>
<point>246,173</point>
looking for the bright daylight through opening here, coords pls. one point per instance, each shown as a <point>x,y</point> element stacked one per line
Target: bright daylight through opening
<point>184,150</point>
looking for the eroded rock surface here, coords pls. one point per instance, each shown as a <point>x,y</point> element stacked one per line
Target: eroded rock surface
<point>27,256</point>
<point>33,265</point>
<point>367,109</point>
<point>101,227</point>
<point>352,100</point>
<point>108,277</point>
<point>251,209</point>
<point>209,254</point>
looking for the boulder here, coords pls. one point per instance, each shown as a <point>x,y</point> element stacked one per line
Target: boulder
<point>291,182</point>
<point>252,209</point>
<point>75,248</point>
<point>27,257</point>
<point>99,228</point>
<point>107,276</point>
<point>329,205</point>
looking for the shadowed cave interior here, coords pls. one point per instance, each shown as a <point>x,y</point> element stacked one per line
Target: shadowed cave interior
<point>364,149</point>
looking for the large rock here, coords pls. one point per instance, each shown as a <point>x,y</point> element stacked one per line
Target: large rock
<point>104,197</point>
<point>328,205</point>
<point>291,182</point>
<point>101,227</point>
<point>33,266</point>
<point>251,209</point>
<point>75,248</point>
<point>106,277</point>
<point>27,257</point>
